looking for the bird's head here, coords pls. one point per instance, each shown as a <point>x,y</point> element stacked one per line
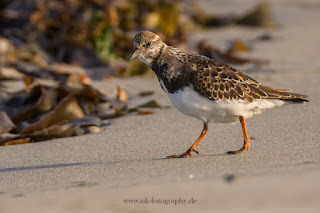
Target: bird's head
<point>147,46</point>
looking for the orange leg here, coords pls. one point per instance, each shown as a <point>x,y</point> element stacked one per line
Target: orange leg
<point>192,149</point>
<point>246,139</point>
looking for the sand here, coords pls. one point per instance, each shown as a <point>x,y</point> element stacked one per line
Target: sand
<point>97,172</point>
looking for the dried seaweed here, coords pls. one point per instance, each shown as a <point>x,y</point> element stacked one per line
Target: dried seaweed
<point>146,93</point>
<point>89,34</point>
<point>259,16</point>
<point>47,112</point>
<point>228,57</point>
<point>238,45</point>
<point>15,141</point>
<point>145,112</point>
<point>150,104</point>
<point>61,39</point>
<point>6,123</point>
<point>121,94</point>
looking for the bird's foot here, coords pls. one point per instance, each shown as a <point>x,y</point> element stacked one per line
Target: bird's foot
<point>245,147</point>
<point>186,154</point>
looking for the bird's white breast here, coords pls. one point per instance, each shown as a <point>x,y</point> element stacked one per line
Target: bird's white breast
<point>191,103</point>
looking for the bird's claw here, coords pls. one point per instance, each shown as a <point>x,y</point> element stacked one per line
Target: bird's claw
<point>187,154</point>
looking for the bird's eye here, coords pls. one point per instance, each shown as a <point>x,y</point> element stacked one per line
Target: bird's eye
<point>149,43</point>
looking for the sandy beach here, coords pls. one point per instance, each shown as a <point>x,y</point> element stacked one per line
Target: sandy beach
<point>124,169</point>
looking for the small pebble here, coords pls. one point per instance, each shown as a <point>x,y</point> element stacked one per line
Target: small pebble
<point>94,129</point>
<point>230,178</point>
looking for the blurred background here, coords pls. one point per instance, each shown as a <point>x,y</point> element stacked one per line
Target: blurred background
<point>53,53</point>
<point>55,39</point>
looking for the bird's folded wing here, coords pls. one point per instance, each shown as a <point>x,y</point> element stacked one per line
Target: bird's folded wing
<point>216,81</point>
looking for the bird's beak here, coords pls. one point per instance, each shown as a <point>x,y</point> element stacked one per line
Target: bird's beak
<point>134,54</point>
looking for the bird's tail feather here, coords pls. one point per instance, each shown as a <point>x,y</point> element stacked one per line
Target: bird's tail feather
<point>282,94</point>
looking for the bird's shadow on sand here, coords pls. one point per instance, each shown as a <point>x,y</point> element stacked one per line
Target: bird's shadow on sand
<point>61,165</point>
<point>12,169</point>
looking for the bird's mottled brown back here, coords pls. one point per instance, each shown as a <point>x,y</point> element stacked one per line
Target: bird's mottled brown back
<point>222,82</point>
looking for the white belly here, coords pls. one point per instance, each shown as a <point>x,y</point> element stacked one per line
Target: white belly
<point>191,103</point>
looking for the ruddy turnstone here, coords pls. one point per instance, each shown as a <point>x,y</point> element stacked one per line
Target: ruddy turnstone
<point>206,89</point>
